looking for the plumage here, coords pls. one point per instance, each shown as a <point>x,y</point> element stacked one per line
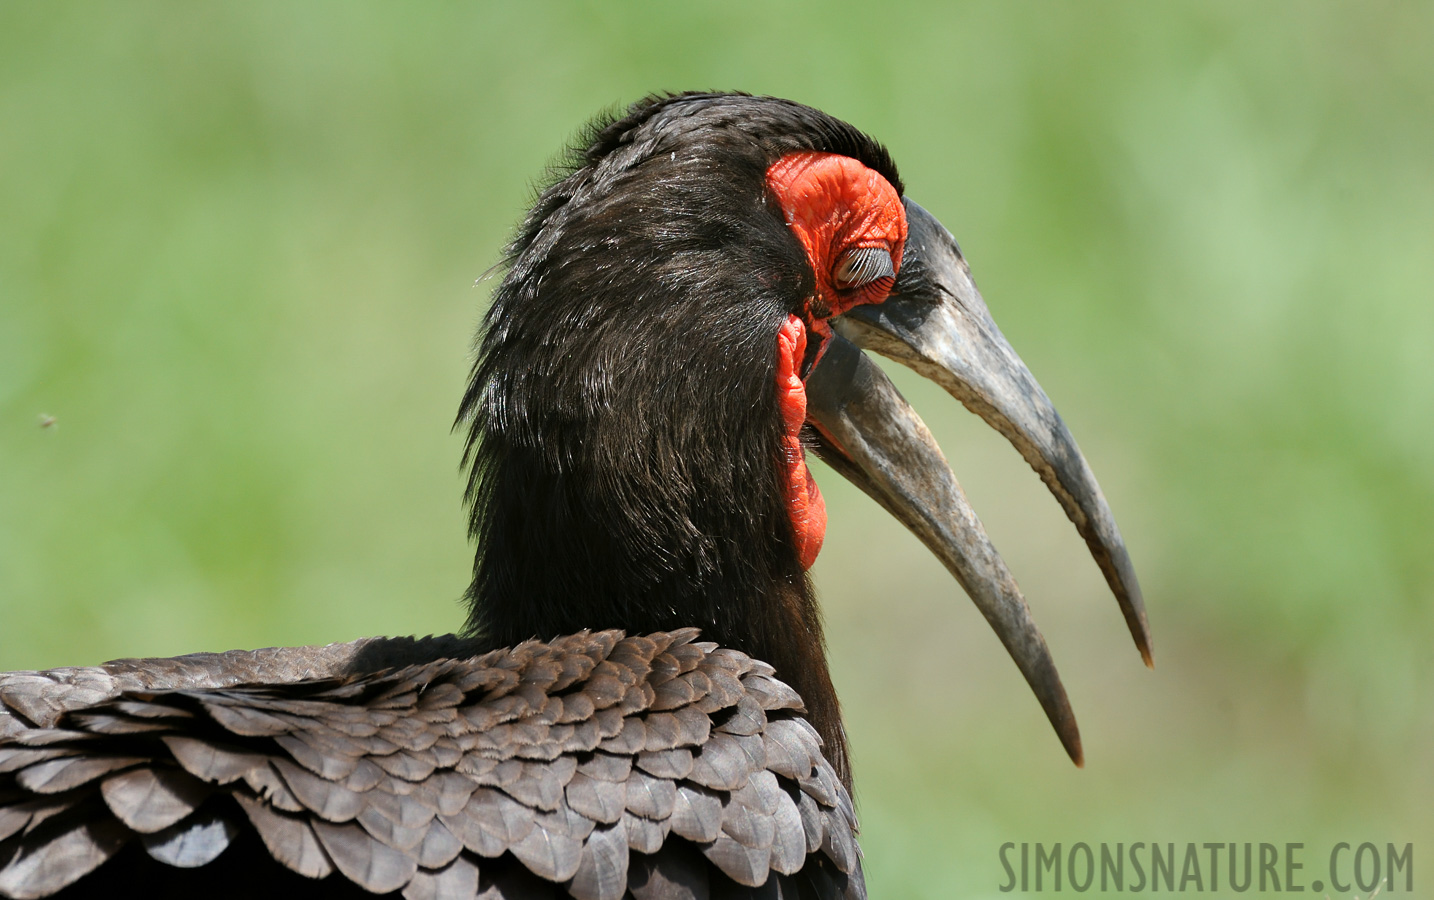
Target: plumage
<point>194,842</point>
<point>455,880</point>
<point>152,799</point>
<point>291,839</point>
<point>43,861</point>
<point>545,813</point>
<point>640,705</point>
<point>602,868</point>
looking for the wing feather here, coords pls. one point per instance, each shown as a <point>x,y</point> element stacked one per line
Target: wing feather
<point>595,767</point>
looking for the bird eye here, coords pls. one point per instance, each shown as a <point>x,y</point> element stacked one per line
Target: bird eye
<point>861,266</point>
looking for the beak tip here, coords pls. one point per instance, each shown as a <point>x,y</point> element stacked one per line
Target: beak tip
<point>1122,580</point>
<point>1140,630</point>
<point>1058,711</point>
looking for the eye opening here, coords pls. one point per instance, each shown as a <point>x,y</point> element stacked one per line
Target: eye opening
<point>861,266</point>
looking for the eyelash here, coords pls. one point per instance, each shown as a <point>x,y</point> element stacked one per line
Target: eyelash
<point>863,266</point>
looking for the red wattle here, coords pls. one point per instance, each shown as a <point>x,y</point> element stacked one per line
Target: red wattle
<point>805,505</point>
<point>832,203</point>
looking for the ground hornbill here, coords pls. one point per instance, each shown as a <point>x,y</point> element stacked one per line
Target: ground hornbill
<point>681,318</point>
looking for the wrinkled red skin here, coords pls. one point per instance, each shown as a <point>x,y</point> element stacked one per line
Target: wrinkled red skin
<point>832,203</point>
<point>804,501</point>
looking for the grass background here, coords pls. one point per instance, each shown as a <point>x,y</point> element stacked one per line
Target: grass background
<point>237,252</point>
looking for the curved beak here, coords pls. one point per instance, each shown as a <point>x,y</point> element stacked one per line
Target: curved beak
<point>936,323</point>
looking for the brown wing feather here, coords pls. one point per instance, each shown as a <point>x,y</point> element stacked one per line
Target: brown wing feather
<point>597,766</point>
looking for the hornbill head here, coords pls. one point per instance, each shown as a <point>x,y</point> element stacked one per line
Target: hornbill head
<point>684,312</point>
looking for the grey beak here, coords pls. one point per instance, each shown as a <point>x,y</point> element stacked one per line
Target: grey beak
<point>936,323</point>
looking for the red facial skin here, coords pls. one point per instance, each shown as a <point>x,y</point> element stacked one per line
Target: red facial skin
<point>833,204</point>
<point>804,502</point>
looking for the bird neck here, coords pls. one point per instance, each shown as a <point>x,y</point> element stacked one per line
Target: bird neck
<point>616,488</point>
<point>569,540</point>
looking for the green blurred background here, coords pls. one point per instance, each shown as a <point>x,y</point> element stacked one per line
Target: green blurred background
<point>238,244</point>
